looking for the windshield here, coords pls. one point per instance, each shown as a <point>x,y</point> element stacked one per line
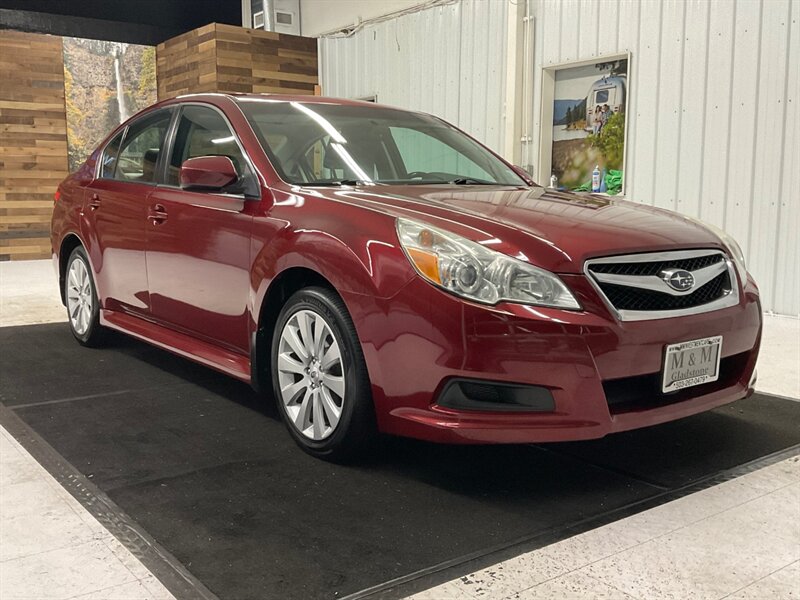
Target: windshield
<point>329,144</point>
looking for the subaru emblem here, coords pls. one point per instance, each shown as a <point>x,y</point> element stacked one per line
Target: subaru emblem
<point>680,280</point>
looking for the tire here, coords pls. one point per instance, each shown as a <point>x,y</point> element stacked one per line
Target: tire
<point>310,384</point>
<point>83,306</point>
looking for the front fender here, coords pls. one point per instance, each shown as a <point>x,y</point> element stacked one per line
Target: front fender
<point>364,264</point>
<point>356,253</point>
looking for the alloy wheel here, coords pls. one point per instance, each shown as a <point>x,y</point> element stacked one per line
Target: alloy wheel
<point>79,296</point>
<point>311,375</point>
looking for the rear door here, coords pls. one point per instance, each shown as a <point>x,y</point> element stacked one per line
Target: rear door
<point>198,243</point>
<point>115,212</point>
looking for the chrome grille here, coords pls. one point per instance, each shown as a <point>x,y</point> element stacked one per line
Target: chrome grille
<point>629,298</point>
<point>652,268</point>
<point>637,287</point>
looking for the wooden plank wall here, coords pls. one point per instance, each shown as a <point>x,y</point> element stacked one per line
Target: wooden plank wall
<point>187,63</point>
<point>224,58</point>
<point>33,128</point>
<point>33,141</point>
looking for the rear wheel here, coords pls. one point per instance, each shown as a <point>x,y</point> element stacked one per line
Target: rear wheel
<point>319,376</point>
<point>83,306</point>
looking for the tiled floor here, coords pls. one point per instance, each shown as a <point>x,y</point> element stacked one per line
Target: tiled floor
<point>51,547</point>
<point>738,540</point>
<point>29,293</point>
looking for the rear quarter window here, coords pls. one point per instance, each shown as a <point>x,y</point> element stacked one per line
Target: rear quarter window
<point>108,160</point>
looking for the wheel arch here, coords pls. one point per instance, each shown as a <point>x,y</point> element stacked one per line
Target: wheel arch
<point>68,243</point>
<point>282,286</point>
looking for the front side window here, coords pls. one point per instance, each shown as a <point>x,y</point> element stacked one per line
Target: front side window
<point>326,144</point>
<point>141,147</point>
<point>202,131</point>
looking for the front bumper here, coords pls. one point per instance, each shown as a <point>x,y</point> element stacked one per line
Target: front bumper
<point>600,371</point>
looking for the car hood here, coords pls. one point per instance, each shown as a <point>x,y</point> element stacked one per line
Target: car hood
<point>554,230</point>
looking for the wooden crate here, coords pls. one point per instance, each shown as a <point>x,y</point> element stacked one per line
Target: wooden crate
<point>225,58</point>
<point>33,141</point>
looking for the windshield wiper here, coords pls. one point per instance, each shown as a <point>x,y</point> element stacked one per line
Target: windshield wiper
<point>470,181</point>
<point>337,182</point>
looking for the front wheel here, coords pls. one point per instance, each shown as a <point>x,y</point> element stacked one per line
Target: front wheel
<point>319,376</point>
<point>83,306</point>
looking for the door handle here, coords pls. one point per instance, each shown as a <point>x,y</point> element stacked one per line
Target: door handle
<point>94,202</point>
<point>157,214</point>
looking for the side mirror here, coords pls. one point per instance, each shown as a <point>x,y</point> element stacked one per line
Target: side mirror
<point>208,173</point>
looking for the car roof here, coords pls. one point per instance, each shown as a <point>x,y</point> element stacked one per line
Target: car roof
<point>306,99</point>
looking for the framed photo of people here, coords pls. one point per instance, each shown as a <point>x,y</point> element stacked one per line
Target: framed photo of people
<point>584,119</point>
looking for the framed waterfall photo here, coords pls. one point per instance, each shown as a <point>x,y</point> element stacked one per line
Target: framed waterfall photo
<point>104,84</point>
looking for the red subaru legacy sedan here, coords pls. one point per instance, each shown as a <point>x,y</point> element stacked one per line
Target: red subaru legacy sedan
<point>379,270</point>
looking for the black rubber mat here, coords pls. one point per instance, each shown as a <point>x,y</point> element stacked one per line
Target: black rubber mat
<point>204,465</point>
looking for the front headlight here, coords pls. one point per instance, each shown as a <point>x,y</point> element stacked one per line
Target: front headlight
<point>731,244</point>
<point>472,271</point>
<point>736,252</point>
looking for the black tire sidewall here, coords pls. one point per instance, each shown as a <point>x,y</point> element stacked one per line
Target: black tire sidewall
<point>93,333</point>
<point>352,426</point>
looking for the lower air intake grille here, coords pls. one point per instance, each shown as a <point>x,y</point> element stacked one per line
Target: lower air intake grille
<point>644,391</point>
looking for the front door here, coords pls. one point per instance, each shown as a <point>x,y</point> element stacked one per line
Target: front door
<point>115,208</point>
<point>198,243</point>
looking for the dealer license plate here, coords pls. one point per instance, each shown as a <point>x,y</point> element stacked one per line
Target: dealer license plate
<point>691,363</point>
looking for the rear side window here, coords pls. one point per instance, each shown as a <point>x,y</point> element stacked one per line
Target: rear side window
<point>109,160</point>
<point>141,148</point>
<point>202,131</point>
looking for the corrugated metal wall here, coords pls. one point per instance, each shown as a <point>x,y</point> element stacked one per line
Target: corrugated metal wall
<point>713,115</point>
<point>447,60</point>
